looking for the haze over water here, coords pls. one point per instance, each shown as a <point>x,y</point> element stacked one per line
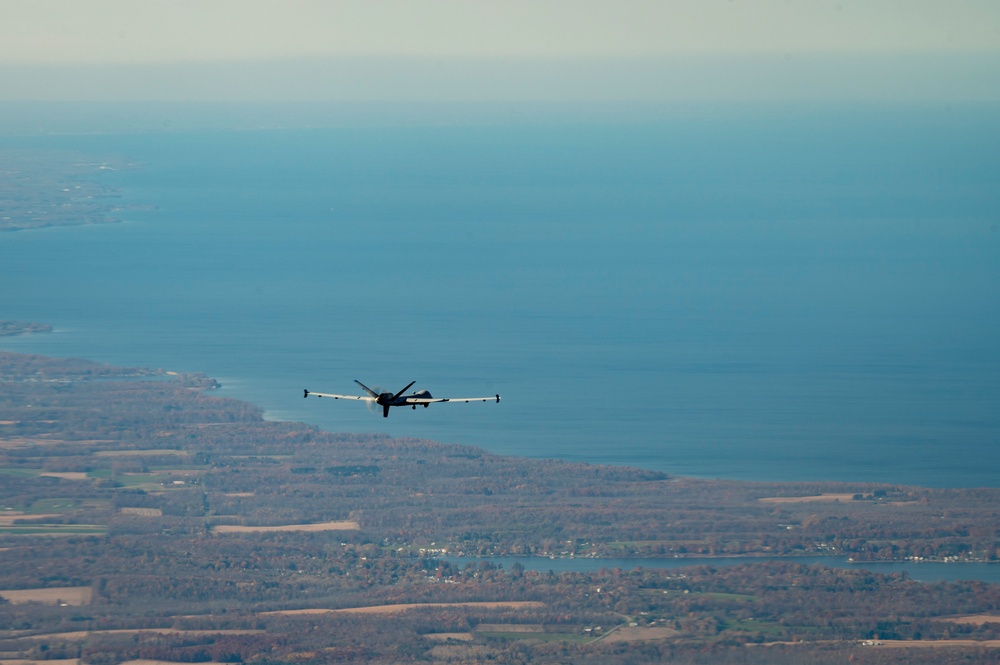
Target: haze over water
<point>757,292</point>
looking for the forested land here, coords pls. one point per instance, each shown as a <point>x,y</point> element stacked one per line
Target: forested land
<point>114,483</point>
<point>44,188</point>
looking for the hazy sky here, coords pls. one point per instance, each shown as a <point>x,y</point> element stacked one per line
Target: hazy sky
<point>513,49</point>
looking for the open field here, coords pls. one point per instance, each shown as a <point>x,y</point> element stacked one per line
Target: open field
<point>828,496</point>
<point>85,634</point>
<point>142,512</point>
<point>527,631</point>
<point>142,661</point>
<point>937,644</point>
<point>444,637</point>
<point>510,628</point>
<point>8,518</point>
<point>540,637</point>
<point>360,527</point>
<point>54,508</point>
<point>46,440</point>
<point>403,607</point>
<point>640,634</point>
<point>159,480</point>
<point>974,619</point>
<point>54,529</point>
<point>138,453</point>
<point>394,609</point>
<point>345,525</point>
<point>76,661</point>
<point>65,475</point>
<point>72,595</point>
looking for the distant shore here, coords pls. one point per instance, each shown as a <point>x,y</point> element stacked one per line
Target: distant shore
<point>11,328</point>
<point>47,188</point>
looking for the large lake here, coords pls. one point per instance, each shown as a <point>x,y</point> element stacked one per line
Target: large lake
<point>757,293</point>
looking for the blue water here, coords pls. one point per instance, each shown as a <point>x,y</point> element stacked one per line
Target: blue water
<point>754,293</point>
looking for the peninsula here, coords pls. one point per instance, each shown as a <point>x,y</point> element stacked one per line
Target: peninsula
<point>43,188</point>
<point>141,517</point>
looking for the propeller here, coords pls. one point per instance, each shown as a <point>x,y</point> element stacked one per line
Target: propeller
<point>375,391</point>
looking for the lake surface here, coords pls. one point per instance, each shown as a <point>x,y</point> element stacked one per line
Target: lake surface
<point>755,293</point>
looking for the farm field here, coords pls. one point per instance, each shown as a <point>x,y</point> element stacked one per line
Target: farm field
<point>233,538</point>
<point>49,595</point>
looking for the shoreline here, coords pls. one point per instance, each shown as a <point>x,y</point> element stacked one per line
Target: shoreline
<point>198,379</point>
<point>228,525</point>
<point>64,189</point>
<point>796,509</point>
<point>321,522</point>
<point>709,443</point>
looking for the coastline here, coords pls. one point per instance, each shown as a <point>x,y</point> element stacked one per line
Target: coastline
<point>796,509</point>
<point>144,514</point>
<point>172,518</point>
<point>57,188</point>
<point>825,412</point>
<point>12,328</point>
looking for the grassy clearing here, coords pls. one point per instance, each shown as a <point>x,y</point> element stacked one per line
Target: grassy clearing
<point>937,644</point>
<point>153,480</point>
<point>69,595</point>
<point>65,475</point>
<point>640,634</point>
<point>828,496</point>
<point>9,518</point>
<point>147,481</point>
<point>21,472</point>
<point>754,626</point>
<point>139,453</point>
<point>85,634</point>
<point>445,637</point>
<point>141,512</point>
<point>510,628</point>
<point>345,525</point>
<point>50,506</point>
<point>403,607</point>
<point>54,530</point>
<point>540,637</point>
<point>725,596</point>
<point>973,619</point>
<point>43,510</point>
<point>61,506</point>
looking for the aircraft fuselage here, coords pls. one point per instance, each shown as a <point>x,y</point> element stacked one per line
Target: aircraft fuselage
<point>391,400</point>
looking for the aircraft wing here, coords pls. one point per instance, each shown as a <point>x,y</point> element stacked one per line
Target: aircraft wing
<point>432,400</point>
<point>357,397</point>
